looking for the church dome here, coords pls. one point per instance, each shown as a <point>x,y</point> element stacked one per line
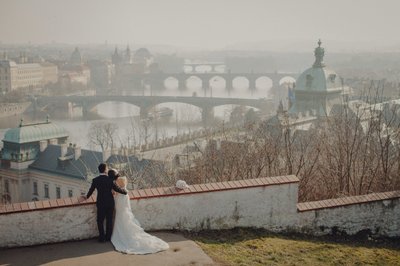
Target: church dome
<point>34,132</point>
<point>318,77</point>
<point>142,53</point>
<point>317,89</point>
<point>76,58</point>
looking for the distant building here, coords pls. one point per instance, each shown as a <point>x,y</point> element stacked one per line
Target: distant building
<point>101,73</point>
<point>116,59</point>
<point>76,57</point>
<point>317,92</point>
<point>15,76</point>
<point>50,72</point>
<point>127,59</point>
<point>75,71</point>
<point>21,147</point>
<point>37,164</point>
<point>318,88</point>
<point>128,68</point>
<point>143,59</point>
<point>70,75</point>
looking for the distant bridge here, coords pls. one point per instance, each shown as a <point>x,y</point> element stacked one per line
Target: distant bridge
<point>212,65</point>
<point>157,80</point>
<point>146,103</point>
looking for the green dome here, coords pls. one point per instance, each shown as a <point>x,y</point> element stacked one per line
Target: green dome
<point>317,89</point>
<point>318,79</point>
<point>34,132</point>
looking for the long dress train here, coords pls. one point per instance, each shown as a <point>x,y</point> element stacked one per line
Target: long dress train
<point>128,236</point>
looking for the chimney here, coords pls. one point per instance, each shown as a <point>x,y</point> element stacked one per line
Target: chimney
<point>43,145</point>
<point>77,152</point>
<point>106,155</point>
<point>64,149</point>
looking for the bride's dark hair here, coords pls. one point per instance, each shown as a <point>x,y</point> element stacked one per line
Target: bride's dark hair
<point>112,173</point>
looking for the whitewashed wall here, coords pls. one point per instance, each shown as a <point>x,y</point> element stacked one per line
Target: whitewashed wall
<point>377,218</point>
<point>270,207</point>
<point>48,226</point>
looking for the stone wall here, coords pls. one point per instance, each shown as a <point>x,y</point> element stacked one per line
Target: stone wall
<point>376,215</point>
<point>269,203</point>
<point>48,226</point>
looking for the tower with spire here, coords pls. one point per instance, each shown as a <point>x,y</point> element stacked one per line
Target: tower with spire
<point>116,58</point>
<point>128,55</point>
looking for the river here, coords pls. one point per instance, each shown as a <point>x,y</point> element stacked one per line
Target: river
<point>185,118</point>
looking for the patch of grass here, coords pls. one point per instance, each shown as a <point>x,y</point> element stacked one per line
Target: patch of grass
<point>259,247</point>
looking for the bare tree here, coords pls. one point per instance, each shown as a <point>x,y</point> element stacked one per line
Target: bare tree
<point>103,134</point>
<point>355,150</point>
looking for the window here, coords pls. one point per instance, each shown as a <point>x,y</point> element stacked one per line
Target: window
<point>58,192</point>
<point>35,190</point>
<point>7,186</point>
<point>332,78</point>
<point>70,193</point>
<point>46,190</point>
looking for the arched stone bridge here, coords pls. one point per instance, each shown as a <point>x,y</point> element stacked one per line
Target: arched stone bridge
<point>213,65</point>
<point>157,80</point>
<point>145,103</point>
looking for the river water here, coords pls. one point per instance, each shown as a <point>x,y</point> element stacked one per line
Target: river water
<point>185,118</point>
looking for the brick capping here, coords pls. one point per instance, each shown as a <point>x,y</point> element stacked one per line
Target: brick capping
<point>351,200</point>
<point>152,193</point>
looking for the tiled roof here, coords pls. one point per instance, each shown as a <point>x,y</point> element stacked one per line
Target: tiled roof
<point>86,164</point>
<point>333,203</point>
<point>153,193</point>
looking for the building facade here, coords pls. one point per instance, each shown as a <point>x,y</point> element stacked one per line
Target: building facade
<point>75,72</point>
<point>37,163</point>
<point>15,76</point>
<point>21,147</point>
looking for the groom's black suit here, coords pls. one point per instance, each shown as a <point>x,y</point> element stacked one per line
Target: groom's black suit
<point>105,203</point>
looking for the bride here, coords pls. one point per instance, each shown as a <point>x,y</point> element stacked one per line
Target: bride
<point>128,236</point>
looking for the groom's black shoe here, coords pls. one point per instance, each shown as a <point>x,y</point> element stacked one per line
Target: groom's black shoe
<point>108,239</point>
<point>101,240</point>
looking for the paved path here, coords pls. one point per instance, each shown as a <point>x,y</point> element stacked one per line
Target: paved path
<point>89,252</point>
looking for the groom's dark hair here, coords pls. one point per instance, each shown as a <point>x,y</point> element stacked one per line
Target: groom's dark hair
<point>102,168</point>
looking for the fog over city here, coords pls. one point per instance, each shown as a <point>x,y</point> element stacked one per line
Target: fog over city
<point>224,119</point>
<point>286,25</point>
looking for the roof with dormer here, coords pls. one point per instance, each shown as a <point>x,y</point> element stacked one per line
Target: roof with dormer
<point>318,79</point>
<point>84,166</point>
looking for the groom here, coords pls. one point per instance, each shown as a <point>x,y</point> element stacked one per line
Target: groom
<point>105,201</point>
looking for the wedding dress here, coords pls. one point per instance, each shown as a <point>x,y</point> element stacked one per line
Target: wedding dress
<point>128,236</point>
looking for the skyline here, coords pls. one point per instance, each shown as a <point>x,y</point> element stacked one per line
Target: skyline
<point>208,24</point>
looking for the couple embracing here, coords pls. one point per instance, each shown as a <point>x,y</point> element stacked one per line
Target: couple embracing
<point>127,236</point>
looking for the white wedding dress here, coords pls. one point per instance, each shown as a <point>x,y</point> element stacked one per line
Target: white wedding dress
<point>128,236</point>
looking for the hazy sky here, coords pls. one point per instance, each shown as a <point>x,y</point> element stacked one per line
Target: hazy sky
<point>202,23</point>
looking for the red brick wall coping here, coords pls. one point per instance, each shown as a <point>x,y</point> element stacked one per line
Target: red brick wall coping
<point>333,203</point>
<point>153,193</point>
